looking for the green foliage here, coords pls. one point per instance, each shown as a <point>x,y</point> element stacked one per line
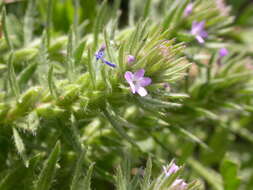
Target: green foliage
<point>53,89</point>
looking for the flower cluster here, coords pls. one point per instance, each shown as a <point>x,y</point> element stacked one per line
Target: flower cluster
<point>197,29</point>
<point>136,80</point>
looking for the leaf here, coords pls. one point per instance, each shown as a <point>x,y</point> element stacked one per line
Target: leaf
<point>99,21</point>
<point>87,179</point>
<point>147,9</point>
<point>76,20</point>
<point>51,85</point>
<point>147,175</point>
<point>26,74</point>
<point>155,103</point>
<point>5,30</point>
<point>91,69</point>
<point>28,22</point>
<point>79,52</point>
<point>50,4</point>
<point>70,133</point>
<point>229,172</point>
<point>189,135</point>
<point>78,171</point>
<point>109,50</point>
<point>12,77</point>
<point>20,146</point>
<point>213,178</point>
<point>120,182</point>
<point>48,172</point>
<point>118,126</point>
<point>69,60</point>
<point>121,58</point>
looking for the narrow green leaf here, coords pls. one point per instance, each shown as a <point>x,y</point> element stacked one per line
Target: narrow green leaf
<point>48,172</point>
<point>99,21</point>
<point>212,177</point>
<point>189,135</point>
<point>69,59</point>
<point>118,127</point>
<point>147,8</point>
<point>210,67</point>
<point>157,103</point>
<point>121,58</point>
<point>108,46</point>
<point>79,52</point>
<point>28,22</point>
<point>91,68</point>
<point>147,175</point>
<point>78,172</point>
<point>51,85</point>
<point>49,22</point>
<point>120,180</point>
<point>134,38</point>
<point>5,30</point>
<point>26,74</point>
<point>76,20</point>
<point>87,179</point>
<point>132,9</point>
<point>20,146</point>
<point>229,171</point>
<point>12,77</point>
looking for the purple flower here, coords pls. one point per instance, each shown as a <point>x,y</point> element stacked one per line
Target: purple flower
<point>137,82</point>
<point>100,56</point>
<point>170,169</point>
<point>188,9</point>
<point>130,58</point>
<point>198,31</point>
<point>223,52</point>
<point>179,184</point>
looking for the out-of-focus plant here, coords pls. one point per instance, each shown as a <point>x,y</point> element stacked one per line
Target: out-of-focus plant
<point>173,82</point>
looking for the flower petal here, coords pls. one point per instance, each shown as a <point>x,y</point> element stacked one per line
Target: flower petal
<point>202,24</point>
<point>139,74</point>
<point>200,39</point>
<point>179,184</point>
<point>203,34</point>
<point>129,76</point>
<point>133,87</point>
<point>223,52</point>
<point>142,91</point>
<point>108,63</point>
<point>130,58</point>
<point>188,9</point>
<point>99,55</point>
<point>145,81</point>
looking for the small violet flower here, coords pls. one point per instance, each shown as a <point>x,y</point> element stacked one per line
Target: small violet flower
<point>179,184</point>
<point>100,56</point>
<point>130,58</point>
<point>188,9</point>
<point>137,82</point>
<point>170,169</point>
<point>198,31</point>
<point>223,52</point>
